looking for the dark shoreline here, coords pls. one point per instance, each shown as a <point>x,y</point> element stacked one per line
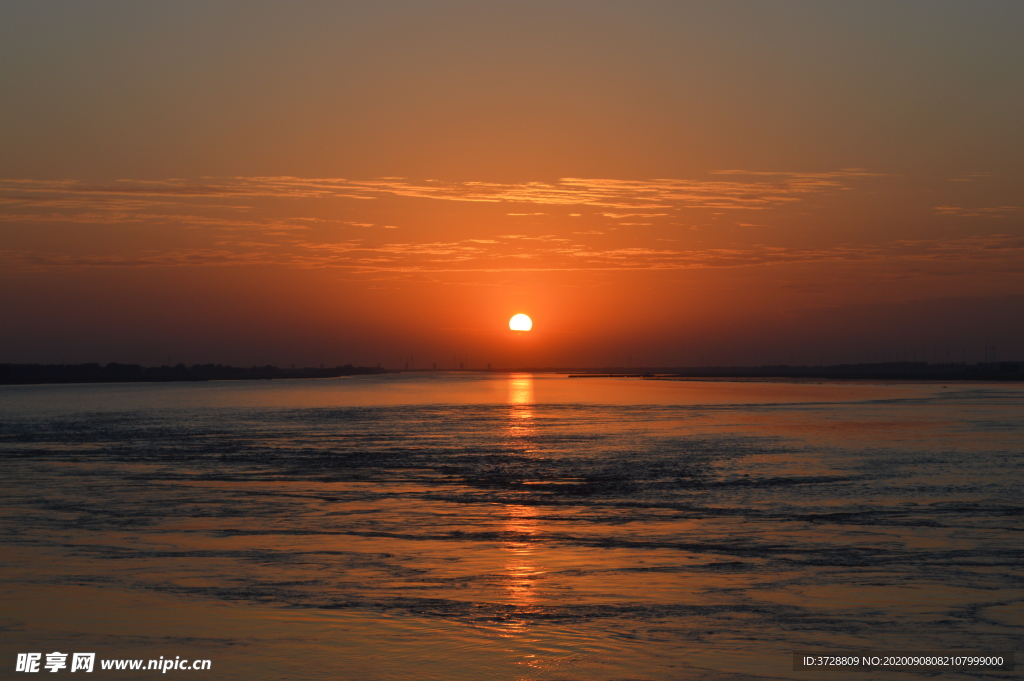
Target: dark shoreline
<point>32,374</point>
<point>903,371</point>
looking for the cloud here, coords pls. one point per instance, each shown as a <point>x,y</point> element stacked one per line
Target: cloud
<point>537,254</point>
<point>221,212</point>
<point>970,177</point>
<point>767,189</point>
<point>619,216</point>
<point>161,219</point>
<point>975,248</point>
<point>990,212</point>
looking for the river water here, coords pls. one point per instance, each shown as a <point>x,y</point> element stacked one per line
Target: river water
<point>497,526</point>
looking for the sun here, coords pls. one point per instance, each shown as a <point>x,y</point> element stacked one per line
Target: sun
<point>520,322</point>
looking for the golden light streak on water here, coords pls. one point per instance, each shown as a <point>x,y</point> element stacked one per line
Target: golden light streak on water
<point>521,411</point>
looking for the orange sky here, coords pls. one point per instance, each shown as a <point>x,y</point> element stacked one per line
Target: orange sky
<point>655,184</point>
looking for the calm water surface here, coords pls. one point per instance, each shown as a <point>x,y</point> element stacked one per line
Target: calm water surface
<point>469,526</point>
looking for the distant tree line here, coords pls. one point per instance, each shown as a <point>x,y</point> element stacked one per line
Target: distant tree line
<point>124,373</point>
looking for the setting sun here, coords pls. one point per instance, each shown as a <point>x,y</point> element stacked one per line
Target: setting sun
<point>520,322</point>
<point>263,257</point>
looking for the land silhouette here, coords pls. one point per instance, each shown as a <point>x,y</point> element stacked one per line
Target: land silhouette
<point>981,371</point>
<point>131,373</point>
<point>11,374</point>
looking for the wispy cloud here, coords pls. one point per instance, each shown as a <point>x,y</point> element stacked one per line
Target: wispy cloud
<point>215,218</point>
<point>971,177</point>
<point>540,254</point>
<point>989,212</point>
<point>977,248</point>
<point>117,217</point>
<point>766,189</point>
<point>619,216</point>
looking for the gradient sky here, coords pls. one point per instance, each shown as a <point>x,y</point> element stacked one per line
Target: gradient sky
<point>655,183</point>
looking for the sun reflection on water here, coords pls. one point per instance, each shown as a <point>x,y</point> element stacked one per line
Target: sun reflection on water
<point>520,567</point>
<point>520,401</point>
<point>521,571</point>
<point>520,389</point>
<point>519,523</point>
